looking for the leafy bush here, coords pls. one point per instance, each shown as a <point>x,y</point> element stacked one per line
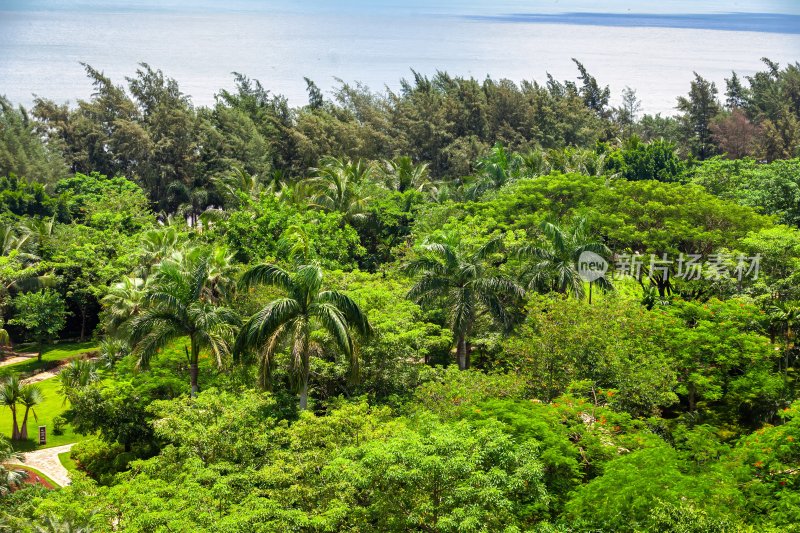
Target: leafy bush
<point>58,425</point>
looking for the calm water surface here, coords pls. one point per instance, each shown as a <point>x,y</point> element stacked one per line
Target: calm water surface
<point>652,46</point>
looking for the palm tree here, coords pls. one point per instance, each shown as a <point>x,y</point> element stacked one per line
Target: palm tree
<point>292,319</point>
<point>401,174</point>
<point>29,396</point>
<point>78,374</point>
<point>156,245</point>
<point>9,396</point>
<point>124,300</point>
<point>579,160</point>
<point>9,478</point>
<point>554,263</point>
<point>181,302</point>
<point>111,351</point>
<point>295,245</point>
<point>238,182</point>
<point>495,171</point>
<point>462,282</point>
<point>189,200</point>
<point>14,238</point>
<point>335,187</point>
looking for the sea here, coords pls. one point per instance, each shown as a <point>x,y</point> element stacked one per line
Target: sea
<point>654,47</point>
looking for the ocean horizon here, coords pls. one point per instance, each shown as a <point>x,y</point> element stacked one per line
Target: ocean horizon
<point>636,44</point>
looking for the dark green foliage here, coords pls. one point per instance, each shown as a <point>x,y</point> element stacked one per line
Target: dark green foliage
<point>697,112</point>
<point>22,151</point>
<point>636,160</point>
<point>21,197</point>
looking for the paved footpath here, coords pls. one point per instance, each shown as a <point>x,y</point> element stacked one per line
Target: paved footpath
<point>17,359</point>
<point>46,461</point>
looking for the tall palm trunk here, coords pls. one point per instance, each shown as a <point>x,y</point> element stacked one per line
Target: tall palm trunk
<point>306,370</point>
<point>461,352</point>
<point>15,435</point>
<point>23,431</point>
<point>194,368</point>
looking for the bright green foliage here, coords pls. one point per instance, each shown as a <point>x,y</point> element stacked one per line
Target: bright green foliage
<point>217,425</point>
<point>393,361</point>
<point>656,160</point>
<point>665,405</point>
<point>452,394</point>
<point>767,466</point>
<point>105,203</point>
<point>254,233</point>
<point>772,188</point>
<point>458,280</point>
<point>42,314</point>
<point>183,301</point>
<point>448,478</point>
<point>634,486</point>
<point>612,352</point>
<point>21,197</point>
<point>294,319</point>
<point>646,216</point>
<point>724,363</point>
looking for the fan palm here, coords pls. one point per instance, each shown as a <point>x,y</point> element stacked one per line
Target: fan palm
<point>553,265</point>
<point>78,374</point>
<point>123,301</point>
<point>156,245</point>
<point>9,396</point>
<point>29,397</point>
<point>9,478</point>
<point>292,319</point>
<point>462,282</point>
<point>181,302</point>
<point>111,351</point>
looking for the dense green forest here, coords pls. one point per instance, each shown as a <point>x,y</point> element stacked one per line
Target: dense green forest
<point>373,312</point>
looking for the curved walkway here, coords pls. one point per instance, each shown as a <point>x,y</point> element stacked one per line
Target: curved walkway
<point>17,359</point>
<point>46,461</point>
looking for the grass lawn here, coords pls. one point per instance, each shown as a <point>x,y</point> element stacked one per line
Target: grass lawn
<point>68,462</point>
<point>55,352</point>
<point>51,407</point>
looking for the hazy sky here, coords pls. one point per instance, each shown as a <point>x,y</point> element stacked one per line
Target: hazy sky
<point>441,6</point>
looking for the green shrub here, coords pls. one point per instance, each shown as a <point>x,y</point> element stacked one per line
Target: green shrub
<point>100,459</point>
<point>58,425</point>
